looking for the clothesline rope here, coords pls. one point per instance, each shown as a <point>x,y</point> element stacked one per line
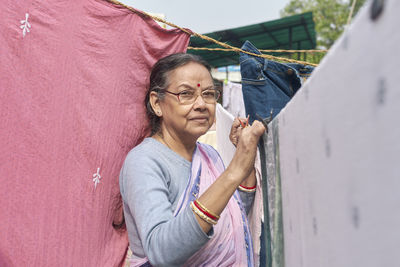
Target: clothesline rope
<point>262,50</point>
<point>235,49</point>
<point>351,12</point>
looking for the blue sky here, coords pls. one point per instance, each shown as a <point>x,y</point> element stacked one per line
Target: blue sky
<point>205,16</point>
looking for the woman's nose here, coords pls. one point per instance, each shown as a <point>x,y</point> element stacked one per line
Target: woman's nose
<point>199,101</point>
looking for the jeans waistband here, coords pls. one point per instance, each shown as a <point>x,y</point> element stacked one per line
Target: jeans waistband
<point>249,47</point>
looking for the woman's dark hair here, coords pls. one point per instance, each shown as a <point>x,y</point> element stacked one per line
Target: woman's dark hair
<point>159,81</point>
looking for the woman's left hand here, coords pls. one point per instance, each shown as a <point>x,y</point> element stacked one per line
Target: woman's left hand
<point>236,129</point>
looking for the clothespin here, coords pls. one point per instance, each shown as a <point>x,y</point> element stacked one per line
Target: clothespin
<point>226,81</point>
<point>244,124</point>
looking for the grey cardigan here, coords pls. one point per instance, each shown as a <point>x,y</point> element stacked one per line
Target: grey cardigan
<point>151,181</point>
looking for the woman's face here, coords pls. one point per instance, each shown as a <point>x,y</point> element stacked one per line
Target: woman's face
<point>187,121</point>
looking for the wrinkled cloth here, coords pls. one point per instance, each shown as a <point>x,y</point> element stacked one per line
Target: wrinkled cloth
<point>223,124</point>
<point>157,176</point>
<point>268,85</point>
<point>232,99</point>
<point>72,86</point>
<point>227,150</point>
<point>173,237</point>
<point>231,244</point>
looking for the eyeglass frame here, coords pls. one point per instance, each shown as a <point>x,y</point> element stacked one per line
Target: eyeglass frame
<point>201,94</point>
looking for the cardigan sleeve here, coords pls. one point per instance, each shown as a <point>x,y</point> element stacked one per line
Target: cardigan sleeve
<point>166,240</point>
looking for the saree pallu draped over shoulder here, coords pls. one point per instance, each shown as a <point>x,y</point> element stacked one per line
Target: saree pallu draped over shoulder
<point>231,243</point>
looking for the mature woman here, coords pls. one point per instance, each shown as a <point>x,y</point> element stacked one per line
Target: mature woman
<point>182,207</point>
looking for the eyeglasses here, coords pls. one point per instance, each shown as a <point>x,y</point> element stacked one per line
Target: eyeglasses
<point>210,96</point>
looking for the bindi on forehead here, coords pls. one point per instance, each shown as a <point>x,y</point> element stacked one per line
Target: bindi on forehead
<point>198,85</point>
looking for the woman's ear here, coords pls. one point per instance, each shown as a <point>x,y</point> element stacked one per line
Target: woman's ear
<point>155,103</point>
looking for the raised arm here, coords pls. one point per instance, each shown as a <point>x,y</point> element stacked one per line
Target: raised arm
<point>217,196</point>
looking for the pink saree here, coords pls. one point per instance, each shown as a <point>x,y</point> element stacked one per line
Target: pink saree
<point>231,243</point>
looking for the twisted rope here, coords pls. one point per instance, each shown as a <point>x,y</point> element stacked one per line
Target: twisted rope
<point>351,11</point>
<point>262,50</point>
<point>231,48</point>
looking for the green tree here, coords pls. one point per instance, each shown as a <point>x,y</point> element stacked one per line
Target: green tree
<point>330,17</point>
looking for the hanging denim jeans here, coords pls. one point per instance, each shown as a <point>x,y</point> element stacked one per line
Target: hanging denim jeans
<point>268,85</point>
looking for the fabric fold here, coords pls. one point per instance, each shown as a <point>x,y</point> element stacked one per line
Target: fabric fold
<point>72,86</point>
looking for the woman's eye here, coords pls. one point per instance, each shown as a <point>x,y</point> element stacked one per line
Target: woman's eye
<point>186,93</point>
<point>209,93</point>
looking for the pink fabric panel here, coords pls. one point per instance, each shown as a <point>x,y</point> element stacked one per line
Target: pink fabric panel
<point>71,103</point>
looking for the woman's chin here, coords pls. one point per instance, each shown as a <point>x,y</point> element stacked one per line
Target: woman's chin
<point>196,132</point>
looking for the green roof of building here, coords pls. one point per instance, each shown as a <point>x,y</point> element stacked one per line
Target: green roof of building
<point>293,32</point>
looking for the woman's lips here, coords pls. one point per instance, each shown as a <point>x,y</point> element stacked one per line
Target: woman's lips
<point>200,119</point>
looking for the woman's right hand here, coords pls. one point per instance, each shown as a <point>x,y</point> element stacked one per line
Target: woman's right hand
<point>218,194</point>
<point>243,161</point>
<point>236,129</point>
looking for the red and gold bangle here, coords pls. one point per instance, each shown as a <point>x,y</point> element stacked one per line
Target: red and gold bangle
<point>206,211</point>
<point>247,189</point>
<point>202,215</point>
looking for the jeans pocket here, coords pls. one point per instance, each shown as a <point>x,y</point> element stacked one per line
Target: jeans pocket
<point>251,69</point>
